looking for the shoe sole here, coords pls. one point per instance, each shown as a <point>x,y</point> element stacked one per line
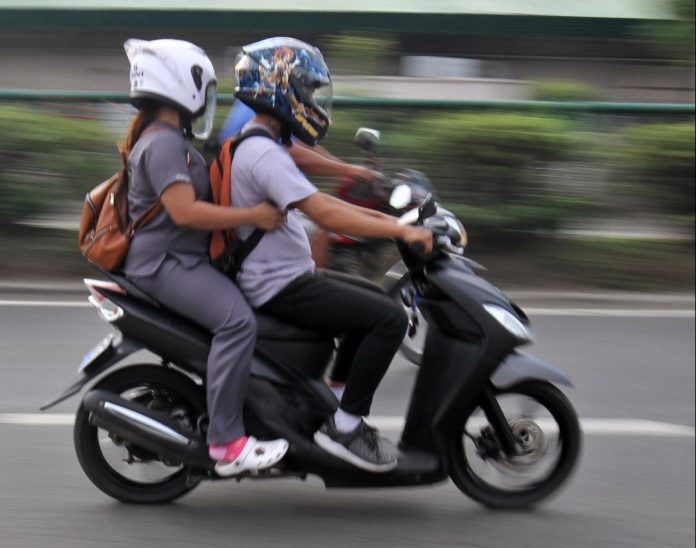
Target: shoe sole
<point>337,450</point>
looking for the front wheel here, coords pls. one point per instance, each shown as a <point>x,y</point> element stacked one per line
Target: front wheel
<point>123,470</point>
<point>547,437</point>
<point>399,287</point>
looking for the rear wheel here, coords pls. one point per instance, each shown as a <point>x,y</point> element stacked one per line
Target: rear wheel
<point>547,437</point>
<point>125,471</point>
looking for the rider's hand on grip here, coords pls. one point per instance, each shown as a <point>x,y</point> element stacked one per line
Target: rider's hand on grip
<point>420,239</point>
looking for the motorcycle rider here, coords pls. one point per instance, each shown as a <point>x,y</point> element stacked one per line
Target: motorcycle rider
<point>279,78</point>
<point>173,86</point>
<point>312,161</point>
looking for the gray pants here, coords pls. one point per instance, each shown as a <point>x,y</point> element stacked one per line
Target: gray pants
<point>210,299</point>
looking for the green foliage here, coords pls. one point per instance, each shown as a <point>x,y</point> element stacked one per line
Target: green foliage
<point>657,161</point>
<point>487,167</point>
<point>48,156</point>
<point>674,37</point>
<point>493,164</point>
<point>627,264</point>
<point>564,91</point>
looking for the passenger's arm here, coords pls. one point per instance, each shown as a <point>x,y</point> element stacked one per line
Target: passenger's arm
<point>180,202</point>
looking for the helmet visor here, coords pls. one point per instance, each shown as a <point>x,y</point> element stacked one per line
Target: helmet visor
<point>202,126</point>
<point>322,99</point>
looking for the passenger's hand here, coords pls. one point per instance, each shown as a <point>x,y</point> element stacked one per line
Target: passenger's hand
<point>268,217</point>
<point>418,235</point>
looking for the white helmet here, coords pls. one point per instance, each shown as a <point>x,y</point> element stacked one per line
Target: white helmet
<point>178,73</point>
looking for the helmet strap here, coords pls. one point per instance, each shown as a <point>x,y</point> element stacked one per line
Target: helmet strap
<point>286,134</point>
<point>186,124</point>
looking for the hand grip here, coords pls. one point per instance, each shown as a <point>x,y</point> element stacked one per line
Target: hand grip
<point>418,249</point>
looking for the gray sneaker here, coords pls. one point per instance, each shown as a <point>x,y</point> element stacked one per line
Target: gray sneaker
<point>361,447</point>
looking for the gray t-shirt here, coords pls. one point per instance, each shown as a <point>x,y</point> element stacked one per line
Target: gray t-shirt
<point>158,159</point>
<point>263,170</point>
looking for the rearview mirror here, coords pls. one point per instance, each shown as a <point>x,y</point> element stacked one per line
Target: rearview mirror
<point>428,209</point>
<point>367,138</point>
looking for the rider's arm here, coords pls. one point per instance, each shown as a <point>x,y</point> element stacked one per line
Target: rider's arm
<point>366,210</point>
<point>333,214</point>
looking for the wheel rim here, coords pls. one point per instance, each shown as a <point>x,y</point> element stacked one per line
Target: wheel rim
<point>539,444</point>
<point>414,341</point>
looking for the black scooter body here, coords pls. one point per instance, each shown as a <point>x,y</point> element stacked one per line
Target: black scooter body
<point>287,396</point>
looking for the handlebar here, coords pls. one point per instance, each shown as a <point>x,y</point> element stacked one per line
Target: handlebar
<point>418,249</point>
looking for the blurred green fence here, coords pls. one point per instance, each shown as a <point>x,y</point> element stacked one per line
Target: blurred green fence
<point>505,167</point>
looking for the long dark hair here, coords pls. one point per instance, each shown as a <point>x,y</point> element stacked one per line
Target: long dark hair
<point>147,112</point>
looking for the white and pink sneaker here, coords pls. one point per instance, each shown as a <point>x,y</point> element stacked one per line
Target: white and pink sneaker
<point>246,454</point>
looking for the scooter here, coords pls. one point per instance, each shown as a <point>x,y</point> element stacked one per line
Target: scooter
<point>482,413</point>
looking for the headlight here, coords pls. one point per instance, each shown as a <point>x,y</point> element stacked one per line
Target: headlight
<point>509,321</point>
<point>456,231</point>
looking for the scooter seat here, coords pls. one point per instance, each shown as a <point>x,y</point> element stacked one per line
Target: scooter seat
<point>271,329</point>
<point>267,327</point>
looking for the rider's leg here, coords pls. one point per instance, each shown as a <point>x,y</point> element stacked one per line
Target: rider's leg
<point>373,327</point>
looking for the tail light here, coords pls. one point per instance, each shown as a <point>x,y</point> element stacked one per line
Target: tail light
<point>107,310</point>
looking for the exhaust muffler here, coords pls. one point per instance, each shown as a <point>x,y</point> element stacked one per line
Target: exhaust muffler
<point>152,430</point>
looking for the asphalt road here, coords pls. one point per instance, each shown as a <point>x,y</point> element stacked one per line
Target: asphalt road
<point>632,362</point>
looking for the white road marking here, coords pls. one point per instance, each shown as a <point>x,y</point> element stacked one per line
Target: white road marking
<point>593,427</point>
<point>602,312</point>
<point>611,312</point>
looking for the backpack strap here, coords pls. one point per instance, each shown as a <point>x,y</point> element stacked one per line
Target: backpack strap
<point>156,208</point>
<point>231,258</point>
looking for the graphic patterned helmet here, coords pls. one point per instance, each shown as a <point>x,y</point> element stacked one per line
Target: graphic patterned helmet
<point>288,79</point>
<point>175,72</point>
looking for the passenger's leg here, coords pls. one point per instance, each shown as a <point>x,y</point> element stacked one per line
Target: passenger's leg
<point>210,299</point>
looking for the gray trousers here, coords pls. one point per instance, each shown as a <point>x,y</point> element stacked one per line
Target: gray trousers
<point>210,299</point>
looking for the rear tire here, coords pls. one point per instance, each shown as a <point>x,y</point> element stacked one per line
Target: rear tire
<point>569,434</point>
<point>181,392</point>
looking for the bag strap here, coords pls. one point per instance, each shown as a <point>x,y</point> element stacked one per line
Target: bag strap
<point>248,245</point>
<point>244,250</point>
<point>156,208</point>
<point>149,214</point>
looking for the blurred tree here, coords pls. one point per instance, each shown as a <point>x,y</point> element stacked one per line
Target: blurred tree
<point>657,162</point>
<point>47,157</point>
<point>675,37</point>
<point>490,167</point>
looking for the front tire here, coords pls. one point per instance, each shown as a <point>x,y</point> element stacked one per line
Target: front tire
<point>143,478</point>
<point>477,464</point>
<point>414,341</point>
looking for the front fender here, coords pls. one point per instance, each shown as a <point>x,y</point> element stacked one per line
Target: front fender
<point>520,366</point>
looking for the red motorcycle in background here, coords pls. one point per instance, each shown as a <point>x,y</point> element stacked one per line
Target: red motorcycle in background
<point>369,257</point>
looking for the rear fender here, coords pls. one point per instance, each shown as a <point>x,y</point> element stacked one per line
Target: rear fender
<point>107,358</point>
